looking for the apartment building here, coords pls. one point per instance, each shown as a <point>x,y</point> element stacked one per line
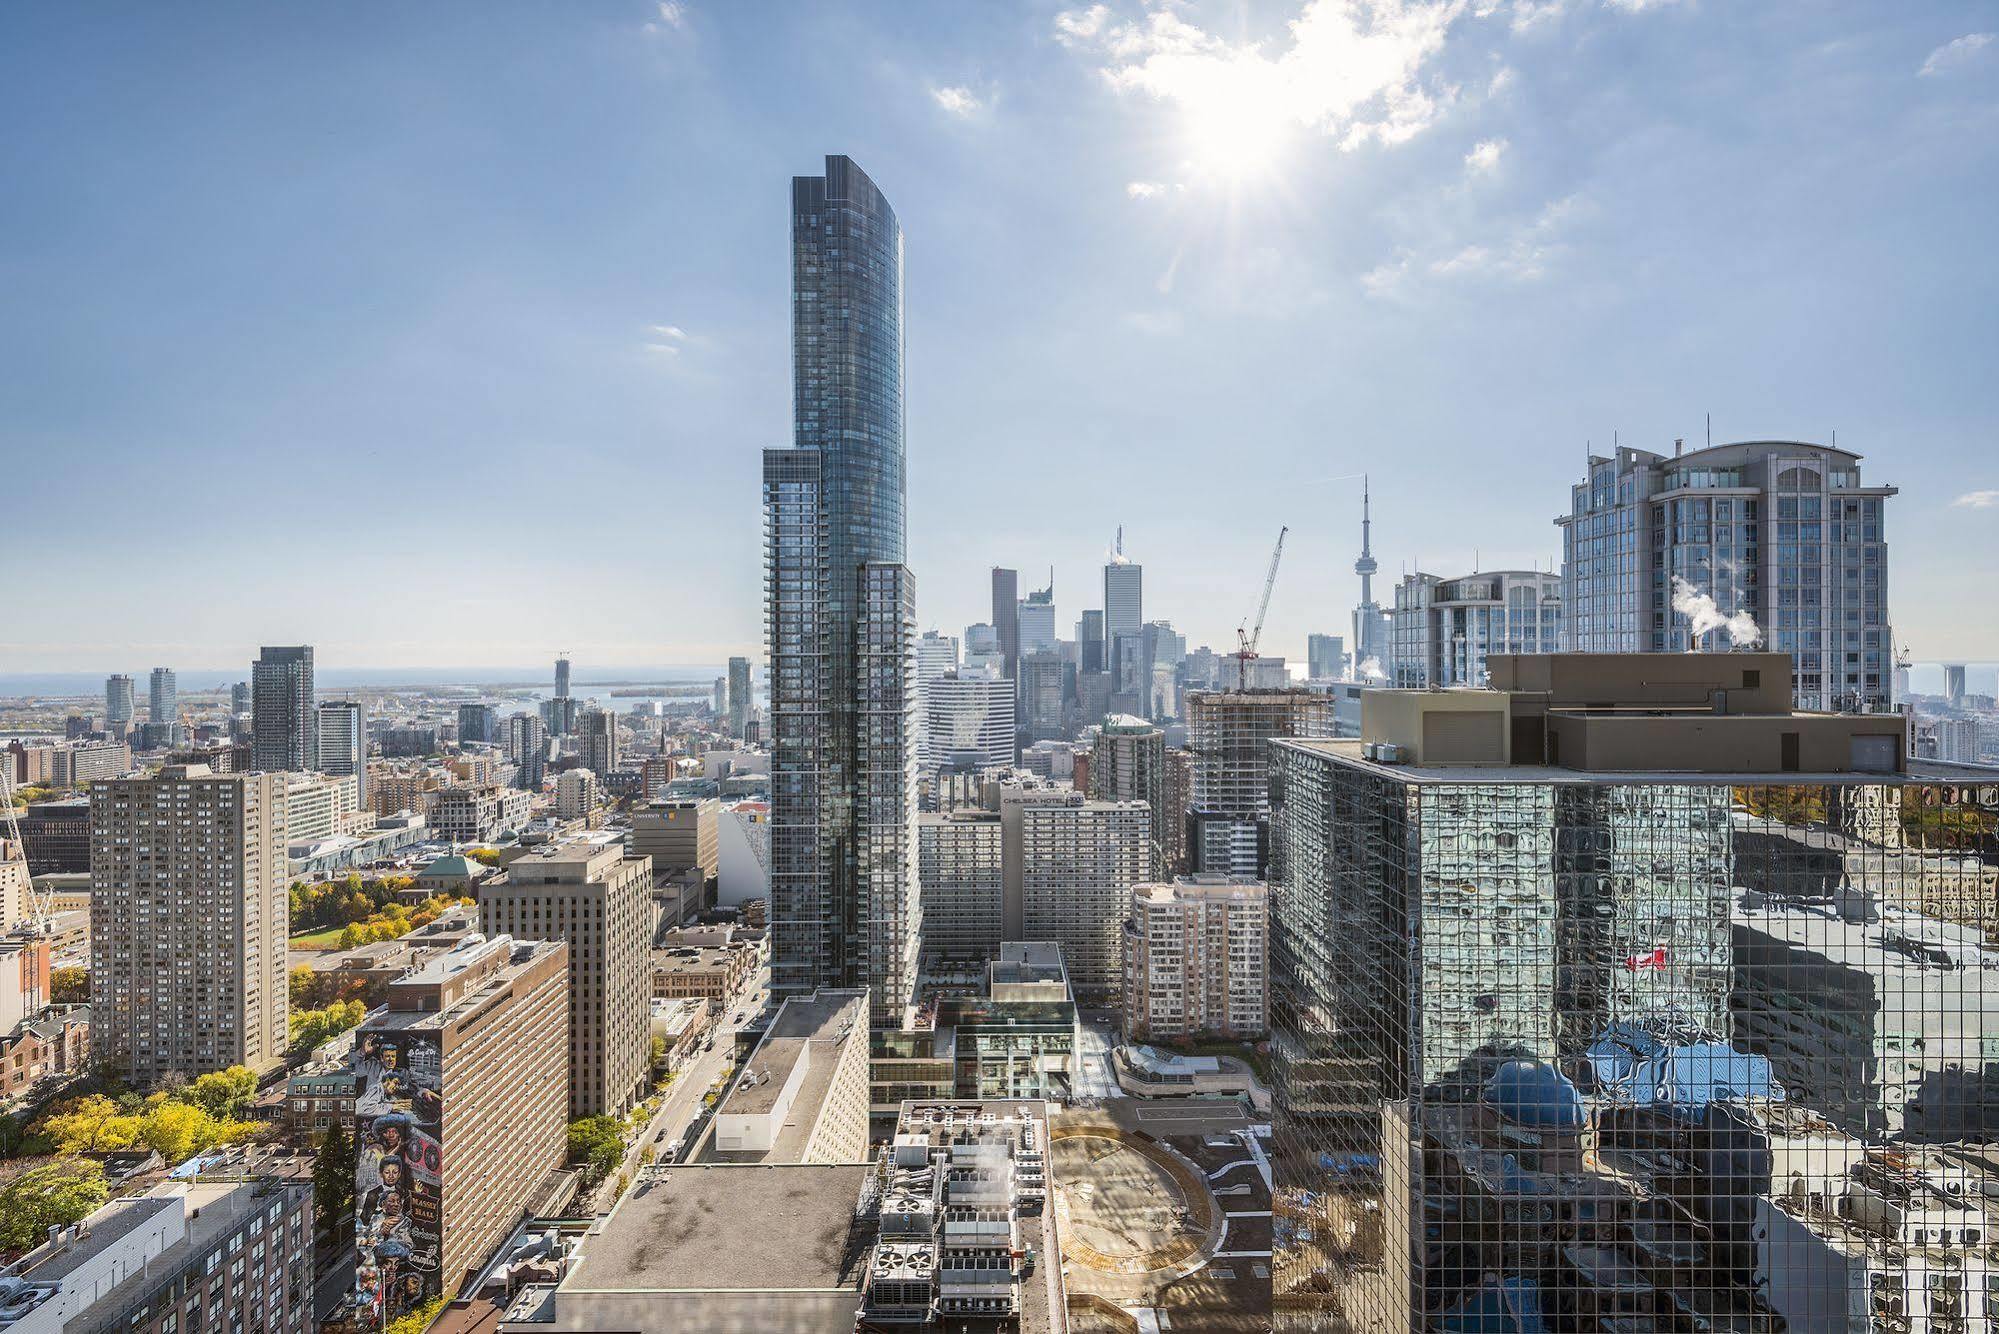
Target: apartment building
<point>1196,960</point>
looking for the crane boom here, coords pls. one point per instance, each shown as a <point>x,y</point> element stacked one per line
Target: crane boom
<point>1246,639</point>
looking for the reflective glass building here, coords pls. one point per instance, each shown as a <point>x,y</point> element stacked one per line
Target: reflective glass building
<point>840,609</point>
<point>1593,1046</point>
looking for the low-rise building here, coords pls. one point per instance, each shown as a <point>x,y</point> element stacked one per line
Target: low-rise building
<point>802,1096</point>
<point>52,1044</point>
<point>203,1254</point>
<point>474,815</point>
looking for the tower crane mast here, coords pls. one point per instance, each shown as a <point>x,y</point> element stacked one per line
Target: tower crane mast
<point>1247,639</point>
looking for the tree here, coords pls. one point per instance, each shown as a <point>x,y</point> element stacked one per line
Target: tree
<point>333,1179</point>
<point>52,1195</point>
<point>91,1124</point>
<point>223,1094</point>
<point>597,1144</point>
<point>176,1130</point>
<point>304,984</point>
<point>69,986</point>
<point>310,1028</point>
<point>417,1321</point>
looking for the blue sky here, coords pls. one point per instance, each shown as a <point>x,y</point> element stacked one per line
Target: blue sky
<point>450,334</point>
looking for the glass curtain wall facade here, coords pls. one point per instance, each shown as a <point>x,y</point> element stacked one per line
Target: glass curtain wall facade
<point>1650,1054</point>
<point>840,609</point>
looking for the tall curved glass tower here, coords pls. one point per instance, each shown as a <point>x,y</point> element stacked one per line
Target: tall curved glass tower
<point>840,609</point>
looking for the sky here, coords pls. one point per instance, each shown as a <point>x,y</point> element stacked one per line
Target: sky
<point>451,334</point>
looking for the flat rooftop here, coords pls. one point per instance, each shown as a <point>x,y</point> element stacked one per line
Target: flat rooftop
<point>1430,775</point>
<point>732,1227</point>
<point>821,1021</point>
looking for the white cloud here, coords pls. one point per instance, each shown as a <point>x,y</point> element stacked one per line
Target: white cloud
<point>1355,70</point>
<point>1955,53</point>
<point>1524,255</point>
<point>1485,156</point>
<point>1977,500</point>
<point>666,340</point>
<point>958,101</point>
<point>1531,14</point>
<point>1502,79</point>
<point>672,15</point>
<point>1152,189</point>
<point>1075,27</point>
<point>1637,6</point>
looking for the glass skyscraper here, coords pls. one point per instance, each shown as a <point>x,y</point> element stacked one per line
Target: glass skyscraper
<point>840,610</point>
<point>1567,1050</point>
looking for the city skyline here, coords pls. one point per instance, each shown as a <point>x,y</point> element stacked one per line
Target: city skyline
<point>1207,273</point>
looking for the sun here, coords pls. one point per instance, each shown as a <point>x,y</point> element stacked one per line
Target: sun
<point>1237,121</point>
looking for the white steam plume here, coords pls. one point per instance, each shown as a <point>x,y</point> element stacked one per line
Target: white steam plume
<point>1700,610</point>
<point>1370,670</point>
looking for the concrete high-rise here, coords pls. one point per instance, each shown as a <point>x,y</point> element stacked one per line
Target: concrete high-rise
<point>562,678</point>
<point>478,724</point>
<point>597,740</point>
<point>1229,733</point>
<point>284,735</point>
<point>1771,541</point>
<point>118,703</point>
<point>525,741</point>
<point>968,723</point>
<point>239,698</point>
<point>1128,763</point>
<point>840,609</point>
<point>739,697</point>
<point>188,921</point>
<point>1077,863</point>
<point>1196,960</point>
<point>343,743</point>
<point>1006,618</point>
<point>163,696</point>
<point>600,901</point>
<point>1442,629</point>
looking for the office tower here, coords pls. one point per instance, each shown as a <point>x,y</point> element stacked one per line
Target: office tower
<point>1124,593</point>
<point>232,1250</point>
<point>239,698</point>
<point>597,740</point>
<point>1953,677</point>
<point>1442,629</point>
<point>1040,696</point>
<point>962,871</point>
<point>1229,733</point>
<point>739,696</point>
<point>283,735</point>
<point>1128,763</point>
<point>968,723</point>
<point>343,743</point>
<point>935,656</point>
<point>562,678</point>
<point>1078,861</point>
<point>1326,657</point>
<point>840,610</point>
<point>1090,651</point>
<point>1035,620</point>
<point>163,696</point>
<point>982,651</point>
<point>188,920</point>
<point>1771,542</point>
<point>1627,939</point>
<point>118,705</point>
<point>600,901</point>
<point>478,724</point>
<point>1370,623</point>
<point>1196,960</point>
<point>1006,619</point>
<point>464,1081</point>
<point>525,742</point>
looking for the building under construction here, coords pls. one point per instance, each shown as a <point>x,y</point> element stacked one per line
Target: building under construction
<point>1229,732</point>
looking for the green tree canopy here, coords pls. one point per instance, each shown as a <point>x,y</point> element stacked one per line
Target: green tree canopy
<point>53,1195</point>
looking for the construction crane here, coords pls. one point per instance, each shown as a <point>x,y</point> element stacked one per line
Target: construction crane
<point>39,903</point>
<point>1246,639</point>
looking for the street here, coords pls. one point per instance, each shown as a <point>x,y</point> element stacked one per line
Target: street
<point>1096,1034</point>
<point>683,1099</point>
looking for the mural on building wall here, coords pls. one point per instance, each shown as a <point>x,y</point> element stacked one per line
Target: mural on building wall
<point>398,1174</point>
